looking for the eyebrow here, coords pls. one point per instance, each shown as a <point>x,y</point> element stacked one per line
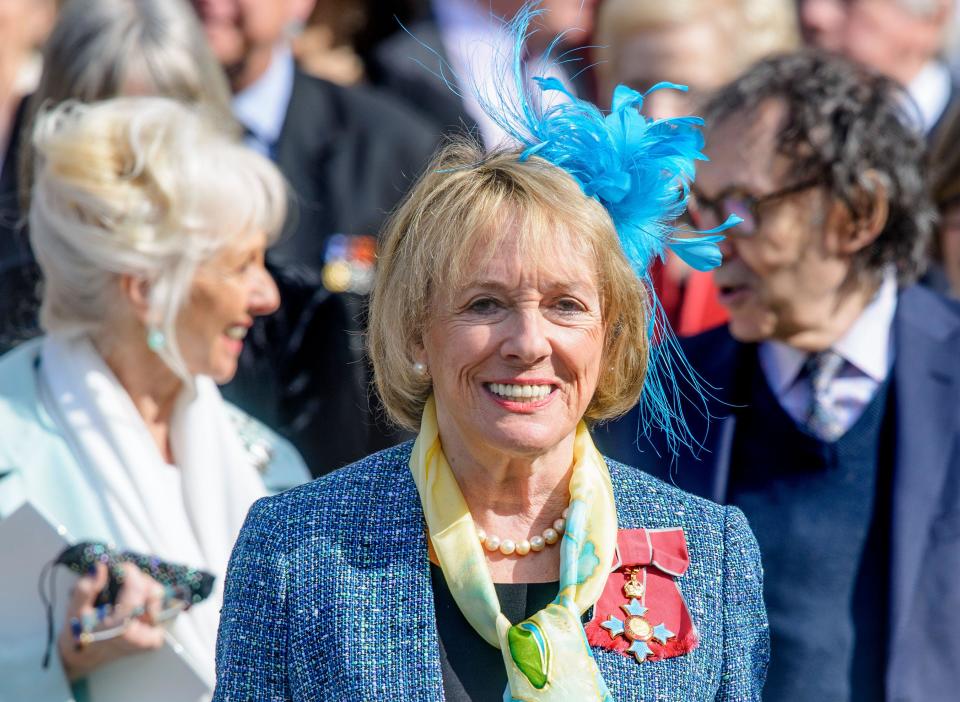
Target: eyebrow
<point>498,286</point>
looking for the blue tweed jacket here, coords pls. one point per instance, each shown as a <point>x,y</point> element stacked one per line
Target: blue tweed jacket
<point>328,595</point>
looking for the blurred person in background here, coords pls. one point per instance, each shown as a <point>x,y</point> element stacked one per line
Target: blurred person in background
<point>459,39</point>
<point>24,25</point>
<point>326,46</point>
<point>906,41</point>
<point>349,154</point>
<point>111,423</point>
<point>101,49</point>
<point>702,44</point>
<point>836,415</point>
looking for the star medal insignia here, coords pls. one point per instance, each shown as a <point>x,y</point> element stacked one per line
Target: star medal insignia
<point>637,629</point>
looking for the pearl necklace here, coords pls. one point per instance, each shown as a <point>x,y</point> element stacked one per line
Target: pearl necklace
<point>509,547</point>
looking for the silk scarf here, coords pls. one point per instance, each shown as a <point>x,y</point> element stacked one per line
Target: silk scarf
<point>546,657</point>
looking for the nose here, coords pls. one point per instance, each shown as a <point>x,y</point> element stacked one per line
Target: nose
<point>728,246</point>
<point>264,296</point>
<point>527,341</point>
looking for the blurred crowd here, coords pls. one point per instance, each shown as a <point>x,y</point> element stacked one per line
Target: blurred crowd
<point>349,99</point>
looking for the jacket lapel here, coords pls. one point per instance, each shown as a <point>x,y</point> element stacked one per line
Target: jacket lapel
<point>927,407</point>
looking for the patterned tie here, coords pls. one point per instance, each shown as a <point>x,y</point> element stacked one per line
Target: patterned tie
<point>821,369</point>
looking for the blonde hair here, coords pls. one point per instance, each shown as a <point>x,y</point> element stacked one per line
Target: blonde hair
<point>146,187</point>
<point>458,211</point>
<point>752,29</point>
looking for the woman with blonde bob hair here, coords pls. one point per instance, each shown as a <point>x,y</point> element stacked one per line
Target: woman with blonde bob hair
<point>150,226</point>
<point>500,556</point>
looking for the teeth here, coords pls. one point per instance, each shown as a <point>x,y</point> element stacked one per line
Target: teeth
<point>238,332</point>
<point>520,392</point>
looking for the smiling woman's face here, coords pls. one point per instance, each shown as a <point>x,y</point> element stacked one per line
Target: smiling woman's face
<point>228,292</point>
<point>515,352</point>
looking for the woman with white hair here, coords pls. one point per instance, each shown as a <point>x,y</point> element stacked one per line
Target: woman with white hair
<point>150,226</point>
<point>98,49</point>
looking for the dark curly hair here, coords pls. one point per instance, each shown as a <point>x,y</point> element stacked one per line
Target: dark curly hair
<point>841,121</point>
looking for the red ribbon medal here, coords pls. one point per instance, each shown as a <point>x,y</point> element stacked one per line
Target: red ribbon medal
<point>641,612</point>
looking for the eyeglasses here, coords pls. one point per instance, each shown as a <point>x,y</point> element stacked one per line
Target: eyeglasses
<point>708,213</point>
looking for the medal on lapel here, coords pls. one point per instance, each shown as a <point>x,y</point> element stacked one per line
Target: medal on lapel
<point>641,612</point>
<point>635,627</point>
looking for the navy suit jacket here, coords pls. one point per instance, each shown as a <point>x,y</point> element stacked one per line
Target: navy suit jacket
<point>923,661</point>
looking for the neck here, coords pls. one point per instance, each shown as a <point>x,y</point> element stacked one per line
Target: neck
<point>514,497</point>
<point>836,316</point>
<point>151,385</point>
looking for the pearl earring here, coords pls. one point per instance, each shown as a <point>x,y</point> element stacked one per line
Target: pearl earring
<point>420,368</point>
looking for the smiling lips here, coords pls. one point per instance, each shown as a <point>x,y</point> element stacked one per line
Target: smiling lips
<point>520,393</point>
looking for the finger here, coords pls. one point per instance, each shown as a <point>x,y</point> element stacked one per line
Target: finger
<point>86,590</point>
<point>143,636</point>
<point>155,602</point>
<point>134,591</point>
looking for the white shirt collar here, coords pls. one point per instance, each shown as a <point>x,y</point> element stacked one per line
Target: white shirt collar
<point>929,93</point>
<point>262,106</point>
<point>867,344</point>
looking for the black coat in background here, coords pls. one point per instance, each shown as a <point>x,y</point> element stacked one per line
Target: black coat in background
<point>350,154</point>
<point>19,274</point>
<point>408,64</point>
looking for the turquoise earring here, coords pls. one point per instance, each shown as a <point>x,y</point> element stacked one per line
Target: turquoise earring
<point>156,340</point>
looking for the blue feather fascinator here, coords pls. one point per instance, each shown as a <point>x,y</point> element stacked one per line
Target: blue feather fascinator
<point>640,170</point>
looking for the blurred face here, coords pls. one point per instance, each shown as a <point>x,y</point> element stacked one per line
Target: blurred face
<point>228,291</point>
<point>515,355</point>
<point>236,29</point>
<point>24,24</point>
<point>877,33</point>
<point>691,54</point>
<point>563,15</point>
<point>822,22</point>
<point>572,16</point>
<point>779,281</point>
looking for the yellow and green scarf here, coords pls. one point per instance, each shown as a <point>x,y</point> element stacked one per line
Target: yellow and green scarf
<point>547,657</point>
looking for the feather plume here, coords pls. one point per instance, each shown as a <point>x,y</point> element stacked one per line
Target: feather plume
<point>640,170</point>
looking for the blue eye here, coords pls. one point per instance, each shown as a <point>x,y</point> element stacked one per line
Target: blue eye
<point>483,305</point>
<point>568,304</point>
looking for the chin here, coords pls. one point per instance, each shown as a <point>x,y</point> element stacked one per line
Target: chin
<point>525,438</point>
<point>749,329</point>
<point>223,374</point>
<point>226,45</point>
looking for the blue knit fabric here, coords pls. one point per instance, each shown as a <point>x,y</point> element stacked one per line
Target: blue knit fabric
<point>328,595</point>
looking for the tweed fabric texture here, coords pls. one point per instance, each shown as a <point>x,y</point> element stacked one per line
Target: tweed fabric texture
<point>328,595</point>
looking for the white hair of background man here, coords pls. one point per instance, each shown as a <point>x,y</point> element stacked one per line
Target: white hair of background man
<point>141,186</point>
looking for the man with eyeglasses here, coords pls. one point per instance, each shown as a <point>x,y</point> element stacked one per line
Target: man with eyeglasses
<point>835,416</point>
